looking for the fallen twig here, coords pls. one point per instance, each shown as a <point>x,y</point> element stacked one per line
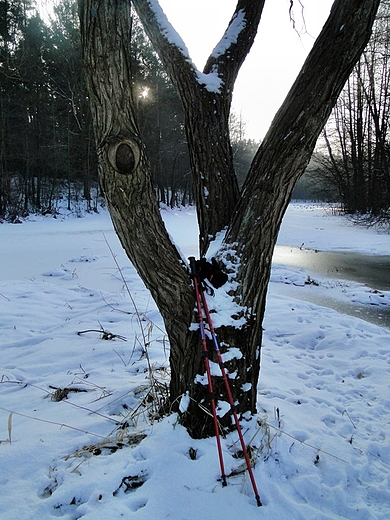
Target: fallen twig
<point>105,334</point>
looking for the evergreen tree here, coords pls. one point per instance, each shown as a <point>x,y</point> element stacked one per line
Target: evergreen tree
<point>13,18</point>
<point>161,121</point>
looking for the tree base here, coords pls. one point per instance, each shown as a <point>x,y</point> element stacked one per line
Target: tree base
<point>198,418</point>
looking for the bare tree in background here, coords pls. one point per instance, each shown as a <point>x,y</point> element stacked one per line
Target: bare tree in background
<point>357,136</point>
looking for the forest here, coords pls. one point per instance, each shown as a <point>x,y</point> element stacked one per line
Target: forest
<point>47,150</point>
<point>352,161</point>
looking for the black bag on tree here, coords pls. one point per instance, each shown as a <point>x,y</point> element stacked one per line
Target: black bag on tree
<point>211,272</point>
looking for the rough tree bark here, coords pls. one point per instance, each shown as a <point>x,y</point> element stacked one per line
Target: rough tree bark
<point>206,97</point>
<point>253,218</point>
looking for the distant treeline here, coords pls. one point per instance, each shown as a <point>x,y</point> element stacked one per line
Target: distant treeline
<point>47,150</point>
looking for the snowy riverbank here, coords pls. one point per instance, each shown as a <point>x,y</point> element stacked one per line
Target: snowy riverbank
<point>69,401</point>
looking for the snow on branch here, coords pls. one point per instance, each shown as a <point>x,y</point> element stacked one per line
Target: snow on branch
<point>167,28</point>
<point>211,81</point>
<point>237,25</point>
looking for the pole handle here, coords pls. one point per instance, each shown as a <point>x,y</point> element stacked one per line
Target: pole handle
<point>193,266</point>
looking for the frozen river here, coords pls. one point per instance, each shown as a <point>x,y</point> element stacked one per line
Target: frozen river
<point>371,270</point>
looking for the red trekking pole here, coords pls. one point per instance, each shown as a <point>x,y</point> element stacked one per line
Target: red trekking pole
<point>202,303</point>
<point>207,365</point>
<point>230,399</point>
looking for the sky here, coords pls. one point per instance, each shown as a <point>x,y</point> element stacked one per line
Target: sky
<point>276,56</point>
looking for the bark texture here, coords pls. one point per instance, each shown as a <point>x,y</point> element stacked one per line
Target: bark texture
<point>128,190</point>
<point>285,152</point>
<point>253,218</point>
<point>207,108</point>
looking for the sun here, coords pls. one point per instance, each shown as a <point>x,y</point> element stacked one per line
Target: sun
<point>144,94</point>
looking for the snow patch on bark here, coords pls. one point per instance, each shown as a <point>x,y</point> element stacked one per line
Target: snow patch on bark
<point>211,81</point>
<point>184,402</point>
<point>231,35</point>
<point>223,305</point>
<point>168,30</point>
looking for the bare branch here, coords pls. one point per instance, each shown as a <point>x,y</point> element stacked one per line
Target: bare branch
<point>292,17</point>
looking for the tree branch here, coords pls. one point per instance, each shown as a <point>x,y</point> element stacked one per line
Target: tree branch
<point>124,170</point>
<point>289,143</point>
<point>206,99</point>
<point>168,44</point>
<point>230,53</point>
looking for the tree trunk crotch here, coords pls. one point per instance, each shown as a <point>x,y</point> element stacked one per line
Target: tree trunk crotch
<point>124,156</point>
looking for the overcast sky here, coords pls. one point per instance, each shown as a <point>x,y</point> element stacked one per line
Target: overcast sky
<point>275,59</point>
<point>276,56</point>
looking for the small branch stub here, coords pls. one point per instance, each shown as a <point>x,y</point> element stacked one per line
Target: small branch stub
<point>124,156</point>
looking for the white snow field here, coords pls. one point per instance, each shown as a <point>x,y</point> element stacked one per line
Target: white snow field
<point>76,437</point>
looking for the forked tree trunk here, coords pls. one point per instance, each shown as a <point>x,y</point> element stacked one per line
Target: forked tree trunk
<point>255,220</point>
<point>206,98</point>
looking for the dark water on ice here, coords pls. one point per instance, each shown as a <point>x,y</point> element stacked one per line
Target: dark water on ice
<point>372,270</point>
<point>369,269</point>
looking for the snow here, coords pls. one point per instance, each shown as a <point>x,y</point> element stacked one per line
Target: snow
<point>169,32</point>
<point>210,81</point>
<point>321,436</point>
<point>231,35</point>
<point>321,228</point>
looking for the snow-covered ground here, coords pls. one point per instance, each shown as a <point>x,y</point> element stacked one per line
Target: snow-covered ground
<point>76,439</point>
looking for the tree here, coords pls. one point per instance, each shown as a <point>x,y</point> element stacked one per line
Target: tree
<point>45,124</point>
<point>252,218</point>
<point>72,145</point>
<point>161,120</point>
<point>13,19</point>
<point>243,149</point>
<point>31,132</point>
<point>357,134</point>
